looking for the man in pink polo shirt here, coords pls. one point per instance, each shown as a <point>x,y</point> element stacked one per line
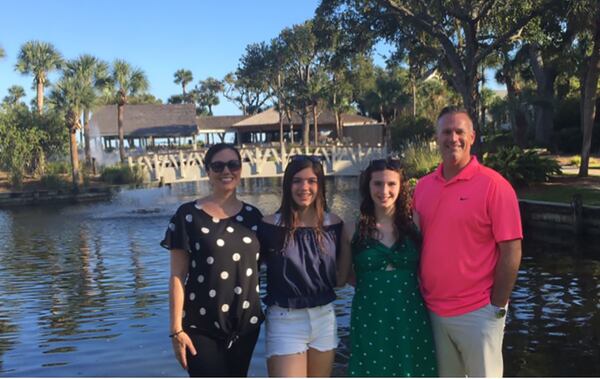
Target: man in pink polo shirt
<point>469,217</point>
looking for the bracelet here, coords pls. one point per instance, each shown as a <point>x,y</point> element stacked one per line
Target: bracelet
<point>175,334</point>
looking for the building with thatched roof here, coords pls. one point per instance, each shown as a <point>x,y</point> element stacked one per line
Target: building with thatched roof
<point>217,126</point>
<point>144,123</point>
<point>267,124</point>
<point>177,124</point>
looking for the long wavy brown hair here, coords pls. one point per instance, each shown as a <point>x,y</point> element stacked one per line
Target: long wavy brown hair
<point>289,208</point>
<point>402,207</point>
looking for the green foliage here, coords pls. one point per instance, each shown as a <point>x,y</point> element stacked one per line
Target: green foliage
<point>58,168</point>
<point>121,174</point>
<point>408,128</point>
<point>53,182</point>
<point>128,80</point>
<point>27,140</point>
<point>183,77</point>
<point>419,157</point>
<point>387,94</point>
<point>38,58</point>
<point>497,141</point>
<point>567,136</point>
<point>522,167</point>
<point>207,93</point>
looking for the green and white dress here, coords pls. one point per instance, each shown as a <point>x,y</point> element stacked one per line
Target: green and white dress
<point>390,331</point>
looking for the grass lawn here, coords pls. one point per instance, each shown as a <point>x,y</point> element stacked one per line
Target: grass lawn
<point>561,189</point>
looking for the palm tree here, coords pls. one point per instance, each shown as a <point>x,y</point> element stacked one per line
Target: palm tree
<point>2,53</point>
<point>183,77</point>
<point>15,93</point>
<point>38,58</point>
<point>129,81</point>
<point>71,96</point>
<point>93,73</point>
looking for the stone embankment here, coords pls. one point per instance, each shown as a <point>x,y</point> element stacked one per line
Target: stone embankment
<point>47,197</point>
<point>582,220</point>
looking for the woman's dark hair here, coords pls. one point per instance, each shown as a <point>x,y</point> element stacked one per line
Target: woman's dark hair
<point>289,209</point>
<point>402,209</point>
<point>214,149</point>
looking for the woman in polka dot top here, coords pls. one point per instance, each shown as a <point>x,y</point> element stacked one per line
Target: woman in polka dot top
<point>390,331</point>
<point>300,245</point>
<point>215,311</point>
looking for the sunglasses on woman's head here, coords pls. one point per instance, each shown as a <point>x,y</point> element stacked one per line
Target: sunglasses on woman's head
<point>380,164</point>
<point>313,158</point>
<point>218,166</point>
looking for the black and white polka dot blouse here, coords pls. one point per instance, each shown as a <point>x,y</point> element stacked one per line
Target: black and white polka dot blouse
<point>221,290</point>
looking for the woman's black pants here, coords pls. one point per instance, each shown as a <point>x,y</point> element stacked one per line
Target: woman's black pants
<point>214,359</point>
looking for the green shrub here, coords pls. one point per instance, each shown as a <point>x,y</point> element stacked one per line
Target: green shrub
<point>495,142</point>
<point>408,128</point>
<point>121,174</point>
<point>53,182</point>
<point>522,167</point>
<point>419,158</point>
<point>58,167</point>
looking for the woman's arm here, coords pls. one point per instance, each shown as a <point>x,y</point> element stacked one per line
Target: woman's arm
<point>181,341</point>
<point>416,220</point>
<point>344,259</point>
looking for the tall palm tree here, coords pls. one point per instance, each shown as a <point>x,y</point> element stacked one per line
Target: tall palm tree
<point>38,58</point>
<point>183,77</point>
<point>94,74</point>
<point>15,93</point>
<point>2,53</point>
<point>71,96</point>
<point>128,81</point>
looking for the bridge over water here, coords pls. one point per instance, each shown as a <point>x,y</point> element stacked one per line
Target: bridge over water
<point>258,161</point>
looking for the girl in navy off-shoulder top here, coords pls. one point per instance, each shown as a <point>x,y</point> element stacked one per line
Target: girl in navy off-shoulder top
<point>306,255</point>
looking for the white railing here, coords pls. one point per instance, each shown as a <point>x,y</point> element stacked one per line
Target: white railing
<point>342,160</point>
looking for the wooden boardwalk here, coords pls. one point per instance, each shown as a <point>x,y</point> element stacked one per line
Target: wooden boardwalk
<point>258,162</point>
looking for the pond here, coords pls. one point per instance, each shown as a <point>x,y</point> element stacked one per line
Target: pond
<point>84,290</point>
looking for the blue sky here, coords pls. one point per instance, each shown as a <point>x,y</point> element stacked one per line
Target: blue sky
<point>205,36</point>
<point>208,37</point>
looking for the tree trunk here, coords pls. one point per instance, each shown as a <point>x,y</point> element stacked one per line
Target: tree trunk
<point>470,103</point>
<point>289,117</point>
<point>413,86</point>
<point>545,76</point>
<point>86,137</point>
<point>544,111</point>
<point>280,127</point>
<point>518,121</point>
<point>120,109</point>
<point>590,86</point>
<point>338,125</point>
<point>315,121</point>
<point>306,127</point>
<point>464,81</point>
<point>40,96</point>
<point>74,157</point>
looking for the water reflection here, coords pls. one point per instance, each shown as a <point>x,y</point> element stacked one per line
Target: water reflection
<point>84,290</point>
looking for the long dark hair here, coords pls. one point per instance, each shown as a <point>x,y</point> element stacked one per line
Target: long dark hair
<point>289,209</point>
<point>402,209</point>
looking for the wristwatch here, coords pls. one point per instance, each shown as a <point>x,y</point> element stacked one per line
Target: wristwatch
<point>500,312</point>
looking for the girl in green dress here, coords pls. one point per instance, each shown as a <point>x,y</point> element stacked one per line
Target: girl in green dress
<point>390,330</point>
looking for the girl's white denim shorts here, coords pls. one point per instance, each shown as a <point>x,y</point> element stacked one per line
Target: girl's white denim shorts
<point>294,331</point>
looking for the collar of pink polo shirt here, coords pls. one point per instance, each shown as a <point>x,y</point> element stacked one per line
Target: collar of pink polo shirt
<point>465,174</point>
